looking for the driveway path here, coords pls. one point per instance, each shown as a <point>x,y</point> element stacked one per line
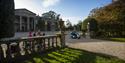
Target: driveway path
<point>98,46</point>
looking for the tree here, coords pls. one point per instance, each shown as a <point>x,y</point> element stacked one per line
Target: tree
<point>79,25</point>
<point>84,24</point>
<point>110,19</point>
<point>92,26</point>
<point>69,25</point>
<point>6,18</point>
<point>41,24</point>
<point>50,16</point>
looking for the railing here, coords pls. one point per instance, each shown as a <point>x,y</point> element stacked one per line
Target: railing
<point>14,48</point>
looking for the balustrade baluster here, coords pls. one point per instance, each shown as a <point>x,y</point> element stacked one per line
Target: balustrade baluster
<point>14,49</point>
<point>35,45</point>
<point>1,55</point>
<point>56,42</point>
<point>25,46</point>
<point>38,44</point>
<point>18,49</point>
<point>44,44</point>
<point>48,43</point>
<point>52,41</point>
<point>22,47</point>
<point>8,53</point>
<point>41,44</point>
<point>61,40</point>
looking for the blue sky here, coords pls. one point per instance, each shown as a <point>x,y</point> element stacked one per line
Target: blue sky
<point>74,10</point>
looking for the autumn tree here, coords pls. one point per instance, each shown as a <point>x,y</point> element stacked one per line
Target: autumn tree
<point>110,19</point>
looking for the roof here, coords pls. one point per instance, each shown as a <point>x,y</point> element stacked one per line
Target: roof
<point>24,9</point>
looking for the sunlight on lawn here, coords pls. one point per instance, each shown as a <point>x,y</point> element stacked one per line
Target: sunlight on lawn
<point>69,55</point>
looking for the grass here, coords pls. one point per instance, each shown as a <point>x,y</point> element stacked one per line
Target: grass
<point>70,55</point>
<point>113,39</point>
<point>118,39</point>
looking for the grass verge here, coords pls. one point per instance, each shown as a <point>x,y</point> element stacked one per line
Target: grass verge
<point>118,39</point>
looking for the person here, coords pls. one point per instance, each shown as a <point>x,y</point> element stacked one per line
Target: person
<point>43,34</point>
<point>34,34</point>
<point>30,34</point>
<point>29,43</point>
<point>39,33</point>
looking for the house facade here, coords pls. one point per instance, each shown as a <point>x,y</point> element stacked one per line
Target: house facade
<point>25,20</point>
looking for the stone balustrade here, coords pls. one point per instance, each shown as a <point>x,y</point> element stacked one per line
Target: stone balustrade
<point>14,48</point>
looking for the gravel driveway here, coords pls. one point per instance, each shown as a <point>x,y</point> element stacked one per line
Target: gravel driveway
<point>99,46</point>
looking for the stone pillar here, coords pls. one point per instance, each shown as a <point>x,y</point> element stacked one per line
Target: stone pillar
<point>28,24</point>
<point>52,26</point>
<point>61,24</point>
<point>35,23</point>
<point>88,31</point>
<point>20,20</point>
<point>46,23</point>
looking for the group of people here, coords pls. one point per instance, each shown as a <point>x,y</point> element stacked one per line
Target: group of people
<point>31,34</point>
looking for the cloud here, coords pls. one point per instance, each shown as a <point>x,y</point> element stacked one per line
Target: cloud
<point>36,6</point>
<point>73,19</point>
<point>25,3</point>
<point>47,3</point>
<point>32,5</point>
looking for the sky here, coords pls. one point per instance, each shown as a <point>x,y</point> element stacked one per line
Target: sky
<point>72,10</point>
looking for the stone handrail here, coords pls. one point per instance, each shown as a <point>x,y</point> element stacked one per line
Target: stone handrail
<point>13,48</point>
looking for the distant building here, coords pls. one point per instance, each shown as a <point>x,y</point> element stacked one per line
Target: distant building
<point>49,25</point>
<point>25,20</point>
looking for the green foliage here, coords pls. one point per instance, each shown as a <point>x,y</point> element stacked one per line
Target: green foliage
<point>6,18</point>
<point>92,24</point>
<point>50,16</point>
<point>69,25</point>
<point>78,26</point>
<point>116,39</point>
<point>84,24</point>
<point>41,24</point>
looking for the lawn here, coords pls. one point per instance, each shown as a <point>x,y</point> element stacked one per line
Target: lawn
<point>114,39</point>
<point>70,55</point>
<point>118,39</point>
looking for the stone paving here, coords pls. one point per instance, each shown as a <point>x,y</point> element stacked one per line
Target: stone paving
<point>99,46</point>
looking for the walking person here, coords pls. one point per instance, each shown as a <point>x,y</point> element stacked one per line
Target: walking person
<point>44,34</point>
<point>34,34</point>
<point>39,33</point>
<point>30,34</point>
<point>29,43</point>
